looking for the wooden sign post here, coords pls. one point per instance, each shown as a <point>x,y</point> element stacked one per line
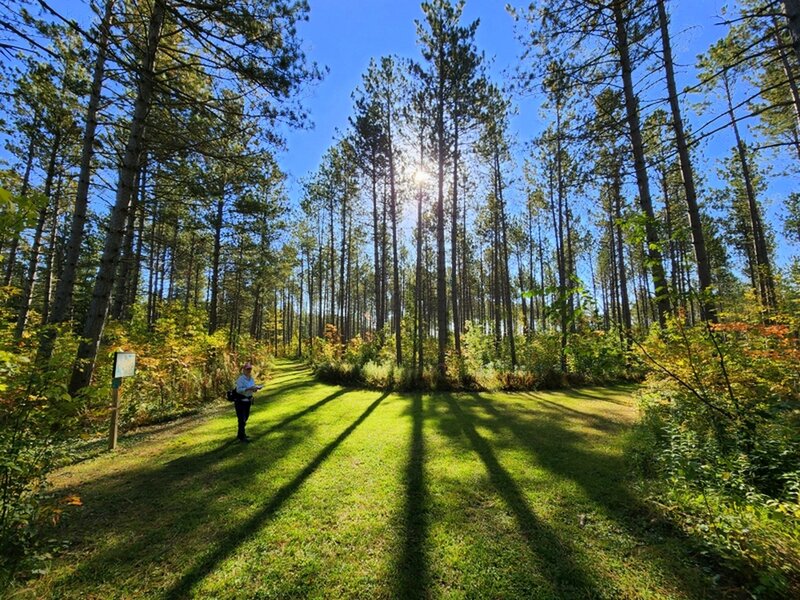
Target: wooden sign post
<point>124,366</point>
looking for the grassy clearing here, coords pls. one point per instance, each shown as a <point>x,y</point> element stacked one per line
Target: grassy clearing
<point>364,494</point>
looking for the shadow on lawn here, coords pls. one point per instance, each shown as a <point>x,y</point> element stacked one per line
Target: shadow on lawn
<point>245,531</point>
<point>564,452</point>
<point>555,557</point>
<point>600,394</point>
<point>412,566</point>
<point>156,514</point>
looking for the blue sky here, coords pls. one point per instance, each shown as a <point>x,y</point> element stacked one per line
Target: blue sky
<point>344,34</point>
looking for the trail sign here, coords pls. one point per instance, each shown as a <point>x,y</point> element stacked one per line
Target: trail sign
<point>124,366</point>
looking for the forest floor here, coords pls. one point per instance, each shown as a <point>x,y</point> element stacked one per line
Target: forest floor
<point>367,494</point>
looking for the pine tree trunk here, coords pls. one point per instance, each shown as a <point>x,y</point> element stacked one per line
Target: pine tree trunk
<point>557,211</point>
<point>133,289</point>
<point>300,311</point>
<point>62,301</point>
<point>173,258</point>
<point>126,261</point>
<point>321,288</point>
<point>454,243</point>
<point>766,283</point>
<point>332,256</point>
<point>569,260</point>
<point>531,284</point>
<point>98,309</point>
<point>26,179</point>
<point>310,271</point>
<point>521,281</point>
<point>152,263</point>
<point>384,261</point>
<point>621,274</point>
<point>791,8</point>
<point>190,271</point>
<point>213,308</point>
<point>497,292</point>
<point>468,312</point>
<point>375,243</point>
<point>504,267</point>
<point>395,259</point>
<point>441,286</point>
<point>340,317</point>
<point>611,295</point>
<point>640,165</point>
<point>348,287</point>
<point>33,262</point>
<point>708,310</point>
<point>418,289</point>
<point>50,271</point>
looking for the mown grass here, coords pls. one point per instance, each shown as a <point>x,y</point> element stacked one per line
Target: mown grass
<point>365,494</point>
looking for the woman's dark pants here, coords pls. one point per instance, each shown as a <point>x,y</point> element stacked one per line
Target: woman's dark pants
<point>242,414</point>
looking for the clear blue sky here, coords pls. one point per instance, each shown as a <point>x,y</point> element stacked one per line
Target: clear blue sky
<point>344,34</point>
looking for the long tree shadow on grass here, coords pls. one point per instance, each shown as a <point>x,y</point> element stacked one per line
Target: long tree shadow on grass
<point>203,484</point>
<point>97,447</point>
<point>412,566</point>
<point>554,556</point>
<point>251,527</point>
<point>546,433</point>
<point>298,415</point>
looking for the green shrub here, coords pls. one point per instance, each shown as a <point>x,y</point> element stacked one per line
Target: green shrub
<point>596,357</point>
<point>379,376</point>
<point>338,373</point>
<point>35,413</point>
<point>718,443</point>
<point>179,368</point>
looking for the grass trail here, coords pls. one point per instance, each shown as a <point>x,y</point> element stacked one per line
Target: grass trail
<point>366,494</point>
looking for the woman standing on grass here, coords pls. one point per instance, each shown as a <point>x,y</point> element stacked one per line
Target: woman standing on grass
<point>245,388</point>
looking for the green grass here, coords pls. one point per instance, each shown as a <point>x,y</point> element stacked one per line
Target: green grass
<point>365,494</point>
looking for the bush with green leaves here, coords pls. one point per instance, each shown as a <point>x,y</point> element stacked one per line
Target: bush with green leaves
<point>179,368</point>
<point>594,357</point>
<point>36,414</point>
<point>719,442</point>
<point>597,357</point>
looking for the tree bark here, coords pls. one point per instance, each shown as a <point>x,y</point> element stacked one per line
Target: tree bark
<point>643,184</point>
<point>454,240</point>
<point>62,301</point>
<point>213,308</point>
<point>26,182</point>
<point>300,311</point>
<point>504,267</point>
<point>133,291</point>
<point>625,305</point>
<point>395,259</point>
<point>708,310</point>
<point>418,289</point>
<point>126,260</point>
<point>50,265</point>
<point>96,317</point>
<point>375,243</point>
<point>33,262</point>
<point>441,286</point>
<point>766,283</point>
<point>791,8</point>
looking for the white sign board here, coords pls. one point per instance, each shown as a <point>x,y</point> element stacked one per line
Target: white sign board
<point>124,364</point>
